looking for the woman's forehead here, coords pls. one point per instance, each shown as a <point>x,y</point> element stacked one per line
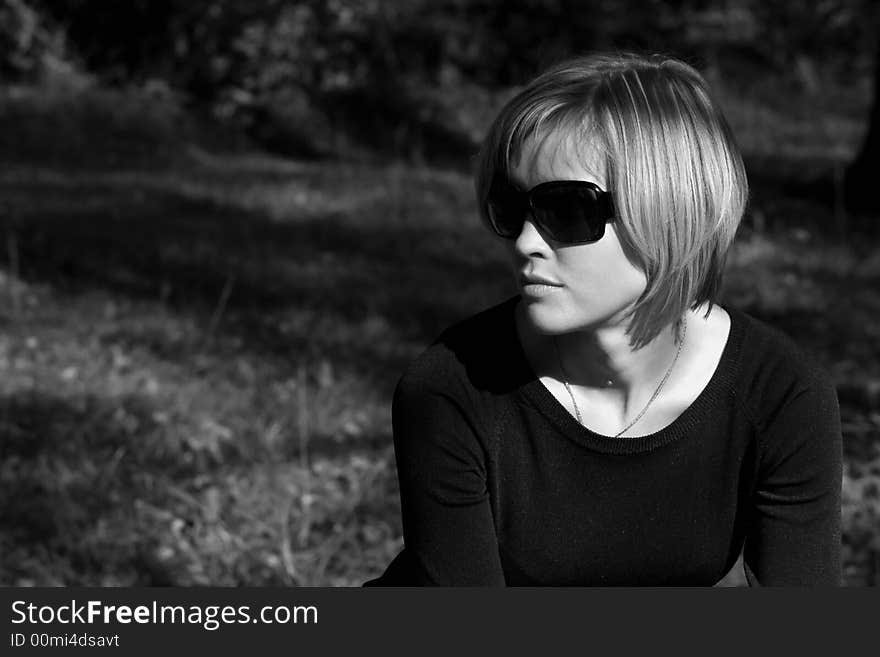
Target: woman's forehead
<point>557,155</point>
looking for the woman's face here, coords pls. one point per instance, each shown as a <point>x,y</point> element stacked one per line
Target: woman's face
<point>595,283</point>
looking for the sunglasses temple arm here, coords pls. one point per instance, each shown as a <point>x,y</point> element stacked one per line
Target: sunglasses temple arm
<point>609,206</point>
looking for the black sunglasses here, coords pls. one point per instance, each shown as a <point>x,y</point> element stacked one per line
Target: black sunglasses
<point>567,211</point>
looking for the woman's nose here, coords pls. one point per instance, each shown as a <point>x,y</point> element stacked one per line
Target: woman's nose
<point>530,239</point>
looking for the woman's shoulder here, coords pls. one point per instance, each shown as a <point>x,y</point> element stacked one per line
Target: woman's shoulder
<point>478,351</point>
<point>775,370</point>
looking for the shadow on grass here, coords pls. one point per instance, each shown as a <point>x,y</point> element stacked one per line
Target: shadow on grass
<point>808,193</point>
<point>278,285</point>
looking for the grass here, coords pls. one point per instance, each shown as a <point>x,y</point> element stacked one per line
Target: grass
<point>198,352</point>
<point>198,367</point>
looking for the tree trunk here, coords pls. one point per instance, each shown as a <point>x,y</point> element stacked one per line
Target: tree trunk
<point>863,174</point>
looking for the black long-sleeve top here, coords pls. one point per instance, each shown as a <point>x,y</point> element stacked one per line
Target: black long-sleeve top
<point>499,485</point>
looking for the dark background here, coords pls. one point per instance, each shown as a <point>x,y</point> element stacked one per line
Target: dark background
<point>226,227</point>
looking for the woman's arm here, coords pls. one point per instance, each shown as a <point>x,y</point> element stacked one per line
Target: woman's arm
<point>794,537</point>
<point>447,521</point>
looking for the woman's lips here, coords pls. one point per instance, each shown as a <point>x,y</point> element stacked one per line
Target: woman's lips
<point>538,289</point>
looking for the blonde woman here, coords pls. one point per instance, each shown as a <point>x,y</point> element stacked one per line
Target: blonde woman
<point>613,424</point>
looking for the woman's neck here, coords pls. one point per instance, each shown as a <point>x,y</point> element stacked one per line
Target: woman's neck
<point>599,358</point>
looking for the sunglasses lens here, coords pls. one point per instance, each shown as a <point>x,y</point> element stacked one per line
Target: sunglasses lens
<point>571,213</point>
<point>566,211</point>
<point>506,209</point>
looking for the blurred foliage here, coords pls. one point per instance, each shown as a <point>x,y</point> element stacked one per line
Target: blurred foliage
<point>320,76</point>
<point>25,39</point>
<point>327,44</point>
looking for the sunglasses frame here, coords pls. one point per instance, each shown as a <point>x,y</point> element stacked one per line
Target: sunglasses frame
<point>527,199</point>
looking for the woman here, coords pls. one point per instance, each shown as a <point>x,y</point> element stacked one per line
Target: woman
<point>612,424</point>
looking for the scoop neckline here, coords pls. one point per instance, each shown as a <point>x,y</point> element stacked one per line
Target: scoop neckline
<point>721,381</point>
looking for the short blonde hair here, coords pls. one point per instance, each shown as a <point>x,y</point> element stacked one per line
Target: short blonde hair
<point>672,166</point>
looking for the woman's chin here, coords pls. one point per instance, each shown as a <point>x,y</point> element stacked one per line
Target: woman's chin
<point>547,318</point>
<point>544,318</point>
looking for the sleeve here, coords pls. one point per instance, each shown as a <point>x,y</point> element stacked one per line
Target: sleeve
<point>794,535</point>
<point>448,528</point>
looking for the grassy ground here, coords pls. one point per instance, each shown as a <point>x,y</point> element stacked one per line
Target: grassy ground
<point>198,351</point>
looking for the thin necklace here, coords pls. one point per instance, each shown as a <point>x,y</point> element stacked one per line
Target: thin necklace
<point>638,417</point>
